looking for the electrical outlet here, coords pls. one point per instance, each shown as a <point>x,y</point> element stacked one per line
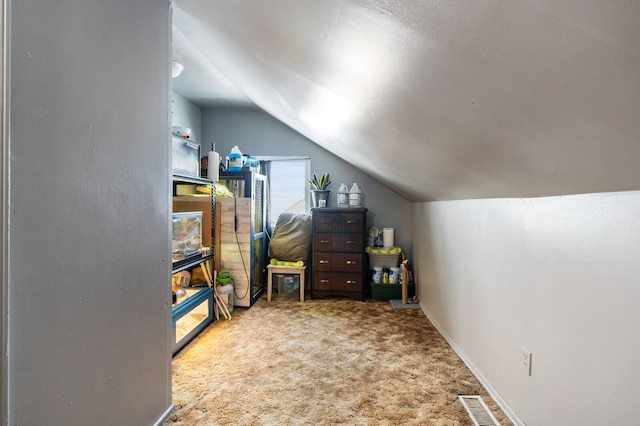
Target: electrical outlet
<point>526,361</point>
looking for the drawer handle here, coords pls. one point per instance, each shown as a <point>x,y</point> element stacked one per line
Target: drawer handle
<point>322,262</point>
<point>351,242</point>
<point>324,241</point>
<point>351,262</point>
<point>325,221</point>
<point>324,281</point>
<point>351,221</point>
<point>352,282</point>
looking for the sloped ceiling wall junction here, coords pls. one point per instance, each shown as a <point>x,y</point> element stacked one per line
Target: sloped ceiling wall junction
<point>437,100</point>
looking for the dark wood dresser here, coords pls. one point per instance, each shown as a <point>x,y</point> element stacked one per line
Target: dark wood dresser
<point>338,264</point>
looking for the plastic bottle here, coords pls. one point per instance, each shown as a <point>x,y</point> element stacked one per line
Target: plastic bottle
<point>377,274</point>
<point>343,196</point>
<point>355,199</point>
<point>235,160</point>
<point>226,295</point>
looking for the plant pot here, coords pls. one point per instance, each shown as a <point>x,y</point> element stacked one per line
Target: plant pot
<point>319,194</point>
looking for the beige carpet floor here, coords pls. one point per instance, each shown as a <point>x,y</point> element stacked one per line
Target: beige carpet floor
<point>325,362</point>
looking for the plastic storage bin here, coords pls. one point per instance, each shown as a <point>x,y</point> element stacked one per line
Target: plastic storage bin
<point>185,157</point>
<point>384,260</point>
<point>288,285</point>
<point>187,235</point>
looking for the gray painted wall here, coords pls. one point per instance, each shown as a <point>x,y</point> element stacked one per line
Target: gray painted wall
<point>89,302</point>
<point>257,133</point>
<point>557,275</point>
<point>186,114</point>
<point>4,210</point>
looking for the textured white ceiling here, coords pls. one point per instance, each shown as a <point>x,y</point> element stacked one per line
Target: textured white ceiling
<point>438,100</point>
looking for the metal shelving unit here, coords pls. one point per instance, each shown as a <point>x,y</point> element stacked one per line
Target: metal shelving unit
<point>193,312</point>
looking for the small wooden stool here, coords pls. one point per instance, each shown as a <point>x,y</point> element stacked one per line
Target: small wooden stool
<point>277,269</point>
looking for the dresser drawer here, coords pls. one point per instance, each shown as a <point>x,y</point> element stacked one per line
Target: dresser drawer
<point>324,241</point>
<point>323,222</point>
<point>352,262</point>
<point>337,262</point>
<point>324,262</point>
<point>338,222</point>
<point>341,281</point>
<point>350,242</point>
<point>351,222</point>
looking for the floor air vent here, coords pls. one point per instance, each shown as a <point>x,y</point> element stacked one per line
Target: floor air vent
<point>478,411</point>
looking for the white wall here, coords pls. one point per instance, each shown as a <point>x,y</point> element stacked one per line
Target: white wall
<point>557,275</point>
<point>89,234</point>
<point>257,133</point>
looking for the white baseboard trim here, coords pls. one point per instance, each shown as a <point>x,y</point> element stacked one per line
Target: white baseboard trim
<point>483,381</point>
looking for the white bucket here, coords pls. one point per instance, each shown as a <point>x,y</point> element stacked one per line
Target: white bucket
<point>226,295</point>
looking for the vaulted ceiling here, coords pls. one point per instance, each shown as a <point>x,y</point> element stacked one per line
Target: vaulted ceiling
<point>439,100</point>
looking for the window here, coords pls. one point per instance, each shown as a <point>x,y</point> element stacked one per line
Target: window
<point>287,180</point>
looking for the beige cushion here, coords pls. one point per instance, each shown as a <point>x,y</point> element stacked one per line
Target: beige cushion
<point>291,239</point>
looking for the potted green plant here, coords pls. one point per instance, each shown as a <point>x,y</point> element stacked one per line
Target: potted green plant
<point>319,191</point>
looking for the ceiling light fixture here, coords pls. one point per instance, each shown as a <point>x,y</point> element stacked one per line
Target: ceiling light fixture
<point>176,69</point>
